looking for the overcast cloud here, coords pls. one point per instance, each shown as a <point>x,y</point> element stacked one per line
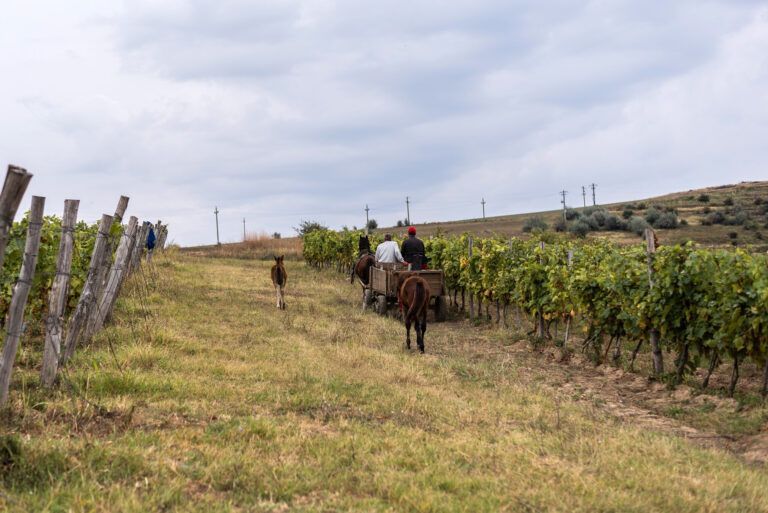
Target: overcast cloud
<point>282,110</point>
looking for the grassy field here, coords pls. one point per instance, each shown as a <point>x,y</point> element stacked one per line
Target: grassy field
<point>214,400</point>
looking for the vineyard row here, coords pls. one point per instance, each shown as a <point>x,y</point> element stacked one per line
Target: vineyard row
<point>700,304</point>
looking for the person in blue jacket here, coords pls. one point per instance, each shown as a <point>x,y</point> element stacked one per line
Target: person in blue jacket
<point>150,241</point>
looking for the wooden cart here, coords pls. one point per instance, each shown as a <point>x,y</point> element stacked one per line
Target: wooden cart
<point>383,288</point>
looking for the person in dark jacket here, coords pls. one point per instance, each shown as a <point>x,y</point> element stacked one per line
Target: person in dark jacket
<point>150,241</point>
<point>413,251</point>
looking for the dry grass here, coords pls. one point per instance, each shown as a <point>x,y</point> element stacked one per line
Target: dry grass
<point>255,247</point>
<point>225,403</point>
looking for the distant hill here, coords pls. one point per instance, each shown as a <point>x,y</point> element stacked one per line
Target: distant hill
<point>722,216</point>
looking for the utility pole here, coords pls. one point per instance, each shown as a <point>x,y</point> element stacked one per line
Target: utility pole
<point>584,195</point>
<point>593,193</point>
<point>483,203</point>
<point>407,210</point>
<point>563,202</point>
<point>243,229</point>
<point>216,211</point>
<point>366,216</point>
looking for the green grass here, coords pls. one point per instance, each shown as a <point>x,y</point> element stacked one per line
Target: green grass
<point>225,403</point>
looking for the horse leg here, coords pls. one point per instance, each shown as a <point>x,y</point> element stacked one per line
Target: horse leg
<point>282,297</point>
<point>277,294</point>
<point>423,326</point>
<point>408,333</point>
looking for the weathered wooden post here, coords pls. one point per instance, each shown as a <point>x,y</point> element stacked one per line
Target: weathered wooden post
<point>58,298</point>
<point>20,295</point>
<point>88,297</point>
<point>122,205</point>
<point>542,246</point>
<point>115,279</point>
<point>658,357</point>
<point>568,321</point>
<point>16,181</point>
<point>137,249</point>
<point>471,295</point>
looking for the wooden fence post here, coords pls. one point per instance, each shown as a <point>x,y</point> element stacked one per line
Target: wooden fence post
<point>122,205</point>
<point>88,297</point>
<point>568,321</point>
<point>20,295</point>
<point>658,356</point>
<point>115,279</point>
<point>542,246</point>
<point>57,299</point>
<point>138,248</point>
<point>471,295</point>
<point>16,181</point>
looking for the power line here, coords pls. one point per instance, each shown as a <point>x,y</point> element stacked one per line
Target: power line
<point>593,193</point>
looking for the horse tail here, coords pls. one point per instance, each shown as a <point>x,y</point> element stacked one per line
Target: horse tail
<point>279,275</point>
<point>418,299</point>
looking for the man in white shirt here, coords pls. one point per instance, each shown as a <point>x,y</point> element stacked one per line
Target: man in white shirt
<point>388,251</point>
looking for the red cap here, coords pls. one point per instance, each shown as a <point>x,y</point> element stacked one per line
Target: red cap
<point>411,231</point>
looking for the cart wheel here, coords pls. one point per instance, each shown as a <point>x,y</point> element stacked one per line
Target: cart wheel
<point>366,298</point>
<point>441,309</point>
<point>381,305</point>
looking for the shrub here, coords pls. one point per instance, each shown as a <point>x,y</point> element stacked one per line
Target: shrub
<point>740,217</point>
<point>751,225</point>
<point>641,206</point>
<point>716,217</point>
<point>580,228</point>
<point>572,214</point>
<point>306,227</point>
<point>758,201</point>
<point>758,236</point>
<point>667,220</point>
<point>627,214</point>
<point>560,225</point>
<point>591,222</point>
<point>276,235</point>
<point>372,224</point>
<point>652,215</point>
<point>534,223</point>
<point>637,225</point>
<point>630,206</point>
<point>728,202</point>
<point>599,216</point>
<point>683,222</point>
<point>614,222</point>
<point>588,211</point>
<point>706,210</point>
<point>704,198</point>
<point>733,235</point>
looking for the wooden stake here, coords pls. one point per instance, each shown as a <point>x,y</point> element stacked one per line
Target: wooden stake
<point>88,297</point>
<point>58,298</point>
<point>16,181</point>
<point>114,280</point>
<point>20,295</point>
<point>658,357</point>
<point>471,296</point>
<point>122,205</point>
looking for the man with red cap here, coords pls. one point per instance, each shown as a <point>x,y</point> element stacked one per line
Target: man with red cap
<point>413,251</point>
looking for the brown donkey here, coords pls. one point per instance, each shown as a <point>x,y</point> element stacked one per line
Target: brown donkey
<point>279,277</point>
<point>414,300</point>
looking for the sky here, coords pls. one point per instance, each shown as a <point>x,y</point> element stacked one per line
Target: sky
<point>279,111</point>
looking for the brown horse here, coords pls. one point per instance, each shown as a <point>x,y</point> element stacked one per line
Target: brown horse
<point>279,277</point>
<point>414,300</point>
<point>361,269</point>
